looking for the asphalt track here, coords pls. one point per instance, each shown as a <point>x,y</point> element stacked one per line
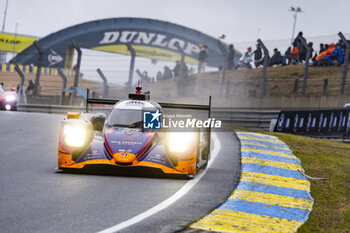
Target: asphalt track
<point>35,198</point>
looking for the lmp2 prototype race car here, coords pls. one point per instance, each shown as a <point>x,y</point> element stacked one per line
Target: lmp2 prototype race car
<point>8,99</point>
<point>119,143</point>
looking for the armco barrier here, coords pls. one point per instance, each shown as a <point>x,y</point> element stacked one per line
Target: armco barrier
<point>258,119</point>
<point>60,109</point>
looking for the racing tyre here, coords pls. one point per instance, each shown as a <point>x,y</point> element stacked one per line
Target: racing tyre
<point>204,152</point>
<point>204,149</point>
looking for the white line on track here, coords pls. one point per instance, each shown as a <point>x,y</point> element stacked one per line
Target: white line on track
<point>187,187</point>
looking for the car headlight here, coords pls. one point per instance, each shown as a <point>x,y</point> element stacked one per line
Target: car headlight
<point>74,135</point>
<point>180,141</point>
<point>10,98</point>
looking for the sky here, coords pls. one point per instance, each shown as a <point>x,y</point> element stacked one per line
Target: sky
<point>242,21</point>
<point>239,20</point>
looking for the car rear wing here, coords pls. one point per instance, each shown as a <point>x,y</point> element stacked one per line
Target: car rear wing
<point>163,105</point>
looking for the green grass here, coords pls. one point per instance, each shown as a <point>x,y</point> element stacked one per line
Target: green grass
<point>331,160</point>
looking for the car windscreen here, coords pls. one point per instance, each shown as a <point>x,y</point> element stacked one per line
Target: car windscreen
<point>125,117</point>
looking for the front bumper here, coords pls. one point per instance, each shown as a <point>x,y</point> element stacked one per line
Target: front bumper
<point>117,170</point>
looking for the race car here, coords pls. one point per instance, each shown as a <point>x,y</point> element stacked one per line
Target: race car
<point>8,99</point>
<point>118,143</point>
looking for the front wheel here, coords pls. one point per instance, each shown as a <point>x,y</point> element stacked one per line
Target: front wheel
<point>206,157</point>
<point>203,150</point>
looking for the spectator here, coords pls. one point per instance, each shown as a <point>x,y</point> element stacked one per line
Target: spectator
<point>341,44</point>
<point>183,81</point>
<point>299,38</point>
<point>183,70</point>
<point>31,68</point>
<point>302,49</point>
<point>294,54</point>
<point>202,58</point>
<point>320,51</point>
<point>167,73</point>
<point>230,57</point>
<point>145,76</point>
<point>321,58</point>
<point>276,58</point>
<point>246,60</point>
<point>30,87</point>
<point>310,44</point>
<point>330,49</point>
<point>258,56</point>
<point>176,69</point>
<point>286,60</point>
<point>336,54</point>
<point>322,48</point>
<point>159,76</point>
